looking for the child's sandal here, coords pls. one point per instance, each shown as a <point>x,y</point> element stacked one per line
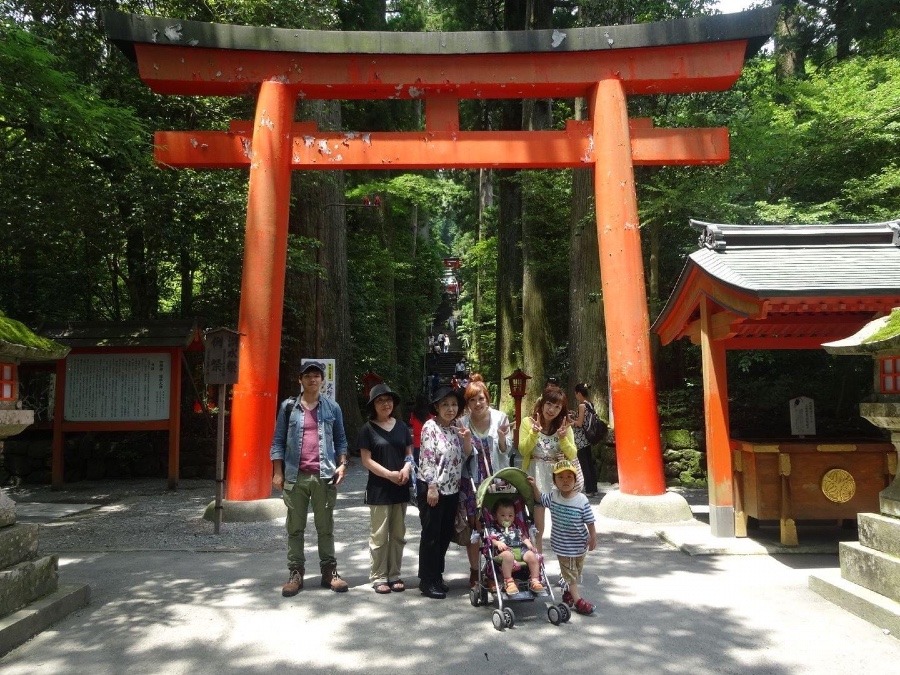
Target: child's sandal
<point>582,606</point>
<point>510,587</point>
<point>536,586</point>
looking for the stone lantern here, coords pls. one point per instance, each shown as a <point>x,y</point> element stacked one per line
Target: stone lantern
<point>880,339</point>
<point>873,563</point>
<point>25,577</point>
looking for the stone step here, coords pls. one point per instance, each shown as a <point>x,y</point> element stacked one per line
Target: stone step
<point>27,581</point>
<point>21,626</point>
<point>866,567</point>
<point>18,543</point>
<point>880,532</point>
<point>873,607</point>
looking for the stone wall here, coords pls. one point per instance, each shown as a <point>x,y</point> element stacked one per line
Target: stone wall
<point>684,459</point>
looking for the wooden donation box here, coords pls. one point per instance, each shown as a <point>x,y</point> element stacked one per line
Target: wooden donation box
<point>808,480</point>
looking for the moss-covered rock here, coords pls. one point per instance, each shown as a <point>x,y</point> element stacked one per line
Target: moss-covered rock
<point>18,341</point>
<point>889,330</point>
<point>680,438</point>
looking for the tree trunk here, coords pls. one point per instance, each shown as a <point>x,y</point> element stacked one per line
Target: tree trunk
<point>143,291</point>
<point>843,28</point>
<point>537,341</point>
<point>186,274</point>
<point>509,233</point>
<point>509,281</point>
<point>789,55</point>
<point>587,332</point>
<point>316,311</point>
<point>485,201</point>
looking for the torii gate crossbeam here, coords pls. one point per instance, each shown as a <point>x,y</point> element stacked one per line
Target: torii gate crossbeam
<point>604,65</point>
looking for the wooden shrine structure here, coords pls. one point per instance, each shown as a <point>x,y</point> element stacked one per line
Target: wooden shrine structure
<point>118,377</point>
<point>604,65</point>
<point>782,287</point>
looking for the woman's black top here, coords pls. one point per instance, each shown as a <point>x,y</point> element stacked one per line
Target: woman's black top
<point>388,448</point>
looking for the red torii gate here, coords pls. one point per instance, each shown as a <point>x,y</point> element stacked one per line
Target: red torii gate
<point>602,64</point>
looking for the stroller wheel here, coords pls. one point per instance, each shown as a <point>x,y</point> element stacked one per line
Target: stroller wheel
<point>552,615</point>
<point>498,620</point>
<point>564,612</point>
<point>484,596</point>
<point>509,616</point>
<point>474,597</point>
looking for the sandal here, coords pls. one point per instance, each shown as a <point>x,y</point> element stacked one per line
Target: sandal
<point>397,586</point>
<point>582,606</point>
<point>510,587</point>
<point>568,599</point>
<point>535,586</point>
<point>381,588</point>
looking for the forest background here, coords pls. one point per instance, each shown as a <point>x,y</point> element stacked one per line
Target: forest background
<point>91,229</point>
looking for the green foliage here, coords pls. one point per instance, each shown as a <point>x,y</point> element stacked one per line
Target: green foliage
<point>760,384</point>
<point>90,228</point>
<point>41,103</point>
<point>381,245</point>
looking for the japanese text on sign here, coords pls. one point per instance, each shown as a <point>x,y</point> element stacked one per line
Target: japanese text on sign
<point>117,387</point>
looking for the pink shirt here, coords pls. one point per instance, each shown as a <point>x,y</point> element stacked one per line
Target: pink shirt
<point>309,442</point>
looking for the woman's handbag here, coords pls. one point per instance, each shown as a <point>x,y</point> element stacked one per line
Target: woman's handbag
<point>413,479</point>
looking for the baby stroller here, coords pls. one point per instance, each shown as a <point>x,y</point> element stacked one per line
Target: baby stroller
<point>511,483</point>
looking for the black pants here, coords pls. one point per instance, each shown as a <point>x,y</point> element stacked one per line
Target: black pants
<point>588,469</point>
<point>437,530</point>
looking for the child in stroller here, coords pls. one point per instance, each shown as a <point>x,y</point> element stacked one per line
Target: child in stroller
<point>512,548</point>
<point>505,504</point>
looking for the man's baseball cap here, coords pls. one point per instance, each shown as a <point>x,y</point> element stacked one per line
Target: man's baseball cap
<point>312,365</point>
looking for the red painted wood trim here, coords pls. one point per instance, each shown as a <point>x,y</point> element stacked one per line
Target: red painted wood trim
<point>671,69</point>
<point>571,148</point>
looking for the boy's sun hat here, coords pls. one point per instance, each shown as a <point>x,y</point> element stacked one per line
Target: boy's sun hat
<point>564,465</point>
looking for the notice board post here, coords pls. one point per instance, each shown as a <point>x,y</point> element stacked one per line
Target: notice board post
<point>220,367</point>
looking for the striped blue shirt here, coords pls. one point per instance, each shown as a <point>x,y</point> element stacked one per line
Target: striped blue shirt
<point>569,534</point>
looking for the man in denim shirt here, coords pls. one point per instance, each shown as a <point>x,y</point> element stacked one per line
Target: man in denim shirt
<point>309,461</point>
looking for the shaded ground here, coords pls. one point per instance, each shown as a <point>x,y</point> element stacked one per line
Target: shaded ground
<point>168,596</point>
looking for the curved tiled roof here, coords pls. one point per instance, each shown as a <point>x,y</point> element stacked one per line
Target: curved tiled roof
<point>755,26</point>
<point>791,260</point>
<point>773,278</point>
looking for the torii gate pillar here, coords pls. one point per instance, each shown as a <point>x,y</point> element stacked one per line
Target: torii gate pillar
<point>262,292</point>
<point>642,489</point>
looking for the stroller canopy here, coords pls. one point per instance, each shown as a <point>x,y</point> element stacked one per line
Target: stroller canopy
<point>517,486</point>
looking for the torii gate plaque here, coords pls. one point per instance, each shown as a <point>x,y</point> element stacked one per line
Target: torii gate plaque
<point>602,64</point>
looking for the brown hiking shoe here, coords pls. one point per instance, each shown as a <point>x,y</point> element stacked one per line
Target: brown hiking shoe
<point>294,584</point>
<point>331,579</point>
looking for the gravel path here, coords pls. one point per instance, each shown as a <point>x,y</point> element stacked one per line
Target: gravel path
<point>143,515</point>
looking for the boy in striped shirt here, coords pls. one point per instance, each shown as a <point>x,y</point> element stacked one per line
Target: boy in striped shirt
<point>573,533</point>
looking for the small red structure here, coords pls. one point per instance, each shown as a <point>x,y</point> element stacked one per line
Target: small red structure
<point>120,377</point>
<point>777,287</point>
<point>369,380</point>
<point>604,65</point>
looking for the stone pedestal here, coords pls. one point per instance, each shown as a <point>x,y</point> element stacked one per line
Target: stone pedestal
<point>869,580</point>
<point>30,596</point>
<point>889,498</point>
